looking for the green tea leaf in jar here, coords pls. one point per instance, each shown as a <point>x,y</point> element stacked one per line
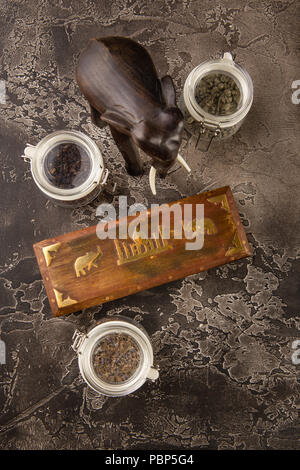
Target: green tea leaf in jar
<point>218,94</point>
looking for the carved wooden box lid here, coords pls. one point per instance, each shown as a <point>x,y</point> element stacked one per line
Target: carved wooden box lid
<point>79,270</point>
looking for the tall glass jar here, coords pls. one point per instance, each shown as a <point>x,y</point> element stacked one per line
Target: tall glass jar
<point>115,357</point>
<point>208,125</point>
<point>67,167</point>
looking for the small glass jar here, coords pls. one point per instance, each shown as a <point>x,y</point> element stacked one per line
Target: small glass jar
<point>204,124</point>
<point>115,357</point>
<point>67,167</point>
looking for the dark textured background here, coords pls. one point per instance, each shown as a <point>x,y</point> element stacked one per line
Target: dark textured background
<point>222,338</point>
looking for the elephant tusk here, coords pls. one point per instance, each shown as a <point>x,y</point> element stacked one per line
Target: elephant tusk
<point>183,163</point>
<point>152,173</point>
<point>152,176</point>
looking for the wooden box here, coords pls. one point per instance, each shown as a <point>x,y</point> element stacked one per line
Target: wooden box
<point>79,270</point>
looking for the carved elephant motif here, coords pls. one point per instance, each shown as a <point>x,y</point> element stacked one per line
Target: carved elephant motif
<point>87,261</point>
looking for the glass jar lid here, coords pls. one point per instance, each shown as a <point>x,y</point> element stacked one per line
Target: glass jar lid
<point>241,85</point>
<point>66,165</point>
<point>115,357</point>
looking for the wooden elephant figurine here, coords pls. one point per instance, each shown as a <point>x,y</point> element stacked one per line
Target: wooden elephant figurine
<point>118,78</point>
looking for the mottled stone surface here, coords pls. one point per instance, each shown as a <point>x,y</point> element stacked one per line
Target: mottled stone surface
<point>223,338</point>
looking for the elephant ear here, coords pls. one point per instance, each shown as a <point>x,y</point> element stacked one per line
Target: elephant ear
<point>168,91</point>
<point>118,121</point>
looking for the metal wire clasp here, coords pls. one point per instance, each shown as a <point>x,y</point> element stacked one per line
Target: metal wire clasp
<point>29,153</point>
<point>201,133</point>
<point>78,338</point>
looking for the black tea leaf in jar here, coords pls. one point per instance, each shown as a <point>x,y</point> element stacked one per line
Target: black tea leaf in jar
<point>67,165</point>
<point>116,358</point>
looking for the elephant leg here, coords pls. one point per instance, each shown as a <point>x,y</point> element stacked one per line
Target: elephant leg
<point>96,118</point>
<point>92,264</point>
<point>129,152</point>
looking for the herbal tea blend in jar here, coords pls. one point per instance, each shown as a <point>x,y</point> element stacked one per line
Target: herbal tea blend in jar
<point>67,167</point>
<point>115,357</point>
<point>216,98</point>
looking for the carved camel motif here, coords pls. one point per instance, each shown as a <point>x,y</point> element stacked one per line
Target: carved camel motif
<point>118,78</point>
